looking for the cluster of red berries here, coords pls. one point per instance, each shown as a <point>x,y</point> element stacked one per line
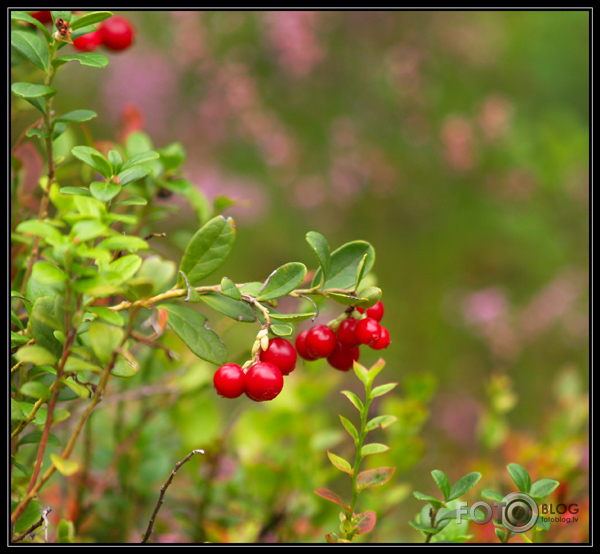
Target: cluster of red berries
<point>342,348</point>
<point>263,380</point>
<point>115,33</point>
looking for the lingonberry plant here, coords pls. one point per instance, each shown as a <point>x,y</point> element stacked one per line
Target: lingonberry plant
<point>83,294</point>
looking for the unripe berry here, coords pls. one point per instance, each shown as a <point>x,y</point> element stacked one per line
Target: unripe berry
<point>301,346</point>
<point>343,358</point>
<point>384,340</point>
<point>117,33</point>
<point>229,381</point>
<point>368,331</point>
<point>320,341</point>
<point>346,332</point>
<point>264,381</point>
<point>280,353</point>
<point>88,42</point>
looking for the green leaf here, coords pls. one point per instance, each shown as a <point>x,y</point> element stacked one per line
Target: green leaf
<point>24,16</point>
<point>356,401</point>
<point>35,389</point>
<point>63,14</point>
<point>39,228</point>
<point>43,324</point>
<point>28,90</point>
<point>126,266</point>
<point>89,19</point>
<point>88,229</point>
<point>492,495</point>
<point>115,160</point>
<point>500,533</point>
<point>230,289</point>
<point>75,364</point>
<point>291,318</point>
<point>35,437</point>
<point>89,59</point>
<point>382,421</point>
<point>234,309</point>
<point>340,463</point>
<point>64,467</point>
<point>283,281</point>
<point>77,116</point>
<point>464,485</point>
<point>47,273</point>
<point>74,191</point>
<point>424,528</point>
<point>373,448</point>
<point>281,330</point>
<point>321,249</point>
<point>352,431</point>
<point>124,367</point>
<point>35,354</point>
<point>93,158</point>
<point>190,327</point>
<point>374,477</point>
<point>520,477</point>
<point>124,242</point>
<point>140,159</point>
<point>435,502</point>
<point>104,191</point>
<point>133,201</point>
<point>383,389</point>
<point>134,173</point>
<point>30,516</point>
<point>77,388</point>
<point>442,481</point>
<point>345,262</point>
<point>361,372</point>
<point>543,523</point>
<point>33,47</point>
<point>208,249</point>
<point>105,339</point>
<point>543,487</point>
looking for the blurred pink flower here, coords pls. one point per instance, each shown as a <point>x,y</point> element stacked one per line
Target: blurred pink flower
<point>484,306</point>
<point>293,37</point>
<point>458,143</point>
<point>495,116</point>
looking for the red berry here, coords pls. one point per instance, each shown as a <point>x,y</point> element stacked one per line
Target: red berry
<point>42,17</point>
<point>346,332</point>
<point>301,346</point>
<point>89,42</point>
<point>376,311</point>
<point>343,358</point>
<point>280,353</point>
<point>117,33</point>
<point>368,331</point>
<point>229,381</point>
<point>320,341</point>
<point>264,381</point>
<point>384,340</point>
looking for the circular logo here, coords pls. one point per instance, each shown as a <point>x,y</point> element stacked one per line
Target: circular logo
<point>519,512</point>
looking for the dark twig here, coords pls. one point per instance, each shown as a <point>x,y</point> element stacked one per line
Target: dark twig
<point>31,529</point>
<point>163,490</point>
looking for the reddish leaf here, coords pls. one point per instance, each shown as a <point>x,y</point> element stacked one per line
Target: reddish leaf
<point>365,522</point>
<point>332,497</point>
<point>374,477</point>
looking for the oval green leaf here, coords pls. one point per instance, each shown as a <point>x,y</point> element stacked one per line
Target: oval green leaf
<point>345,264</point>
<point>208,249</point>
<point>283,281</point>
<point>190,327</point>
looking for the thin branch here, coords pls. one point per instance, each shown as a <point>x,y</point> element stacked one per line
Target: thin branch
<point>31,529</point>
<point>163,490</point>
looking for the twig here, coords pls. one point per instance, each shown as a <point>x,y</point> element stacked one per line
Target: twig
<point>31,529</point>
<point>163,490</point>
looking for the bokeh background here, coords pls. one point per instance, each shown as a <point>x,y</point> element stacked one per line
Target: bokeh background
<point>457,143</point>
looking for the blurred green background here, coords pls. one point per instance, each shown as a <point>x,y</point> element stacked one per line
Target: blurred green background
<point>457,143</point>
